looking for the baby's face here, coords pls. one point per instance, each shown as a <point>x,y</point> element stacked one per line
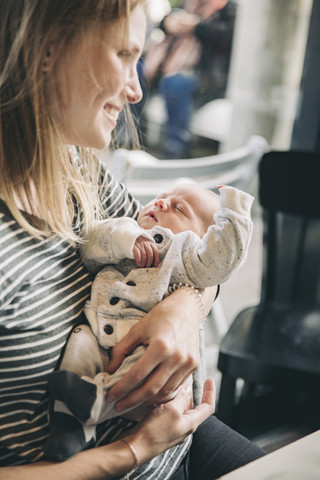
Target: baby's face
<point>185,207</point>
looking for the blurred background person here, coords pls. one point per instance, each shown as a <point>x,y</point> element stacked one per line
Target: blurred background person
<point>190,65</point>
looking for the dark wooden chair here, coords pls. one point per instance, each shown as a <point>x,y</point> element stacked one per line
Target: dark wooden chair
<point>275,345</point>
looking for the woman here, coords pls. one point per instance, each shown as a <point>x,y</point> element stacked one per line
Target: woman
<point>67,71</point>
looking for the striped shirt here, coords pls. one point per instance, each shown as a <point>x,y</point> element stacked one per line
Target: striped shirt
<point>43,289</point>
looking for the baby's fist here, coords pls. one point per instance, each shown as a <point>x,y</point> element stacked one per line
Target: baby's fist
<point>145,252</point>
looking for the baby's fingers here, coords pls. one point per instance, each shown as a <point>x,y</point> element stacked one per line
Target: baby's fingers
<point>155,254</point>
<point>137,256</point>
<point>145,253</point>
<point>150,250</point>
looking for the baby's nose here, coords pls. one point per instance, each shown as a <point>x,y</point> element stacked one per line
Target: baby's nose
<point>161,204</point>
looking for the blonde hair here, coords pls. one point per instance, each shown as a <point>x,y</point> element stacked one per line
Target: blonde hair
<point>33,157</point>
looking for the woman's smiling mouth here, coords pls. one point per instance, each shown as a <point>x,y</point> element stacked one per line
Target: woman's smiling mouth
<point>112,112</point>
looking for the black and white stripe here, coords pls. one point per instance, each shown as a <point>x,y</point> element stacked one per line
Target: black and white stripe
<point>43,288</point>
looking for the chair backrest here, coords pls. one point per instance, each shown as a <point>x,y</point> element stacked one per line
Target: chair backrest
<point>288,193</point>
<point>146,175</point>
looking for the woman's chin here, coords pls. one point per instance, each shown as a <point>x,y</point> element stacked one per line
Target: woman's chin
<point>104,142</point>
<point>100,143</point>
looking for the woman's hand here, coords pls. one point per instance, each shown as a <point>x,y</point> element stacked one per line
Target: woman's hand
<point>166,426</point>
<point>171,334</point>
<point>171,423</point>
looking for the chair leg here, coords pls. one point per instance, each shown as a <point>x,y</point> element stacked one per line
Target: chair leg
<point>217,321</point>
<point>226,407</point>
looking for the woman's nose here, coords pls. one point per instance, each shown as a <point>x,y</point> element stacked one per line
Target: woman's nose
<point>133,89</point>
<point>161,204</point>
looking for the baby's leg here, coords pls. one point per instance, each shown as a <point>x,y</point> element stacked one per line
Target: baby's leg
<point>72,397</point>
<point>83,354</point>
<point>105,410</point>
<point>67,435</point>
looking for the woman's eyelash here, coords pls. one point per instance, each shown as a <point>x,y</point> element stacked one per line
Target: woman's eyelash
<point>124,54</point>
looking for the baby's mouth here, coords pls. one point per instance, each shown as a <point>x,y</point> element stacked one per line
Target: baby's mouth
<point>152,215</point>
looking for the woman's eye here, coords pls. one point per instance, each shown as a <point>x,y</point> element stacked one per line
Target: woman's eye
<point>125,54</point>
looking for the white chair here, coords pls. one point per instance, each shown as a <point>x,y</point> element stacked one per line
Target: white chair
<point>145,176</point>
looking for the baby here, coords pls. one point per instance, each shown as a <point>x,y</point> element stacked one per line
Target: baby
<point>188,235</point>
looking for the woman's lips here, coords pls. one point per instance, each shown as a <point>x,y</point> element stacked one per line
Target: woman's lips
<point>112,112</point>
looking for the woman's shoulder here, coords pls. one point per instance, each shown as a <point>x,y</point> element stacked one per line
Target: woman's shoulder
<point>7,222</point>
<point>116,200</point>
<point>11,232</point>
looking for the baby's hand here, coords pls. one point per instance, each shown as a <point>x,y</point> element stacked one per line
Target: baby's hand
<point>145,253</point>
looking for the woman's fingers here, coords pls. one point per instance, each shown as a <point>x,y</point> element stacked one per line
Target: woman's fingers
<point>183,399</point>
<point>156,387</point>
<point>171,423</point>
<point>209,393</point>
<point>138,373</point>
<point>207,405</point>
<point>176,382</point>
<point>192,418</point>
<point>154,368</point>
<point>170,335</point>
<point>146,393</point>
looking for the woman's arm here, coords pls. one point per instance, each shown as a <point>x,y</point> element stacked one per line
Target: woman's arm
<point>170,331</point>
<point>166,426</point>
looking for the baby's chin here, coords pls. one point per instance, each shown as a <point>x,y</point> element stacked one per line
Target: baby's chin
<point>147,223</point>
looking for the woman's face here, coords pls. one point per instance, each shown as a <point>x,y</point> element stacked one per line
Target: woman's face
<point>94,78</point>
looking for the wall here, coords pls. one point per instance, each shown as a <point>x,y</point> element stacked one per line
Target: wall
<point>265,73</point>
